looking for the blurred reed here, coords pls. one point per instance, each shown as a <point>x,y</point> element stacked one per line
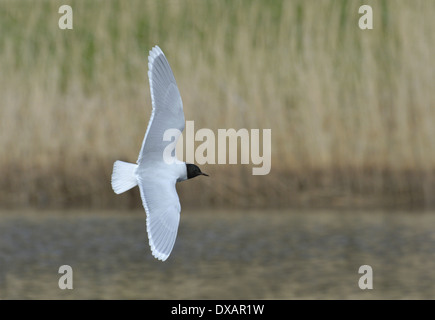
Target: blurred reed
<point>352,112</point>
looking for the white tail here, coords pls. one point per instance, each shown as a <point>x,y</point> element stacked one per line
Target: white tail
<point>123,177</point>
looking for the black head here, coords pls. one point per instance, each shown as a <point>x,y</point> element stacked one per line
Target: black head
<point>193,171</point>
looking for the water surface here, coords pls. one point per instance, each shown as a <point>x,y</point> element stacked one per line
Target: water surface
<point>219,255</point>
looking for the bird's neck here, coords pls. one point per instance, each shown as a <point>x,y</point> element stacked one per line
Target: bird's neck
<point>182,172</point>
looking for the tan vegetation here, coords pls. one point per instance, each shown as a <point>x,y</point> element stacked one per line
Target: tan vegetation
<point>352,112</point>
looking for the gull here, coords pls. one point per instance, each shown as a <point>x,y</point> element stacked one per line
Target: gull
<point>156,177</point>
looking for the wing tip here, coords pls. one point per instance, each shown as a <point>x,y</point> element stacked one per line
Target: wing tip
<point>158,255</point>
<point>154,53</point>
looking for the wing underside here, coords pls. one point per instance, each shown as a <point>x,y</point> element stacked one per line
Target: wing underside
<point>163,208</point>
<point>167,112</point>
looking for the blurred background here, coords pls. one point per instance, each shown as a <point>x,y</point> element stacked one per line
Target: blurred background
<point>352,115</point>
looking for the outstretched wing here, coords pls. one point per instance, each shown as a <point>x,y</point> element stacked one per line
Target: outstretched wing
<point>162,207</point>
<point>167,105</point>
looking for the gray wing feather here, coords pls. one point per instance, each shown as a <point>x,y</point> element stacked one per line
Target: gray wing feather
<point>162,207</point>
<point>167,105</point>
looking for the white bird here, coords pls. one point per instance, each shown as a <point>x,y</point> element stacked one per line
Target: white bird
<point>155,177</point>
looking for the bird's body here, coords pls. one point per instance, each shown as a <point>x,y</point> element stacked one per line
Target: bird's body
<point>156,177</point>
